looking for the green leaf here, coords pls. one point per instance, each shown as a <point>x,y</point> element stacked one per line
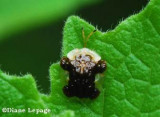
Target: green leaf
<point>19,93</point>
<point>67,113</point>
<point>131,86</point>
<point>19,15</point>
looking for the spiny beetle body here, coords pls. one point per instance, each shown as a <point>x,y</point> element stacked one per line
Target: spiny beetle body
<point>82,65</point>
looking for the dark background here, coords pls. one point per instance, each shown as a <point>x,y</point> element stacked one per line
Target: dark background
<point>35,50</point>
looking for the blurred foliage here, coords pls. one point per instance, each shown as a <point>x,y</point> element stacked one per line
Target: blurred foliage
<point>18,15</point>
<point>33,50</point>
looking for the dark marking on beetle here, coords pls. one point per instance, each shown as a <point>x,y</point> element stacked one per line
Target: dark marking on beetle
<point>82,71</point>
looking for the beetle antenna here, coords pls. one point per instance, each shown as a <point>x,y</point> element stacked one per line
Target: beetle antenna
<point>89,37</point>
<point>84,38</point>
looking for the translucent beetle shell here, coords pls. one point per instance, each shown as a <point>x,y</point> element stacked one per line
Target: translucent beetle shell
<point>82,65</point>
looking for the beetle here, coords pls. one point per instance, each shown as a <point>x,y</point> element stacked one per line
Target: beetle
<point>83,65</point>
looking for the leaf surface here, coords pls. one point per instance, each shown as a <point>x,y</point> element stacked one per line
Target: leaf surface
<point>19,15</point>
<point>131,83</point>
